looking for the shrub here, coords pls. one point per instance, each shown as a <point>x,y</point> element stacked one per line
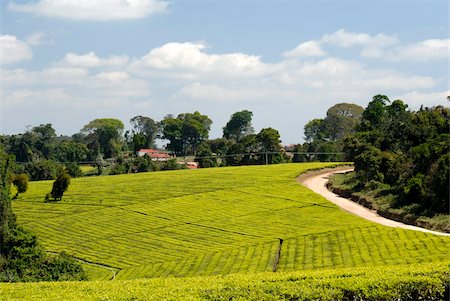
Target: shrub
<point>74,170</point>
<point>60,185</point>
<point>21,182</point>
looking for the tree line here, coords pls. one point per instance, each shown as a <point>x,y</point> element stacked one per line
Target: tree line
<point>405,152</point>
<point>40,151</point>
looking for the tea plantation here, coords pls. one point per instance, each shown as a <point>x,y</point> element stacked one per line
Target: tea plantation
<point>246,221</point>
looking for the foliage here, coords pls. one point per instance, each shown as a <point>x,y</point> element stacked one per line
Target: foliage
<point>71,151</point>
<point>7,217</point>
<point>341,120</point>
<point>104,135</point>
<point>171,164</point>
<point>21,257</point>
<point>145,130</point>
<point>407,150</point>
<point>42,170</point>
<point>240,125</point>
<point>142,164</point>
<point>60,185</point>
<point>214,221</point>
<point>186,132</point>
<point>269,140</point>
<point>205,156</point>
<point>21,183</point>
<point>74,170</point>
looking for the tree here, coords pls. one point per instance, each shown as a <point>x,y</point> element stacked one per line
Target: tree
<point>21,257</point>
<point>60,185</point>
<point>147,128</point>
<point>72,151</point>
<point>21,183</point>
<point>341,120</point>
<point>240,125</point>
<point>45,139</point>
<point>186,132</point>
<point>104,134</point>
<point>315,130</point>
<point>269,140</point>
<point>205,157</point>
<point>7,217</point>
<point>375,110</point>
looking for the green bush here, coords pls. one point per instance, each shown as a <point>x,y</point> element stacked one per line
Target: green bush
<point>74,170</point>
<point>21,183</point>
<point>60,185</point>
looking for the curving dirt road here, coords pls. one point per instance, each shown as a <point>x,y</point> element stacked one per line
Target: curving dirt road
<point>317,184</point>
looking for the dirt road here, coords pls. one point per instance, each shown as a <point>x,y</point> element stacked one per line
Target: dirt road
<point>317,184</point>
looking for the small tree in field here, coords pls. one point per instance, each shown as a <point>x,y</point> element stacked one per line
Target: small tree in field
<point>21,183</point>
<point>60,185</point>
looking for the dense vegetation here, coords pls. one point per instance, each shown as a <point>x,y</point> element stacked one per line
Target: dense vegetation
<point>421,282</point>
<point>102,143</point>
<point>21,256</point>
<point>406,153</point>
<point>212,221</point>
<point>401,157</point>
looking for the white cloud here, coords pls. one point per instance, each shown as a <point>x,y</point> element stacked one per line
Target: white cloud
<point>90,59</point>
<point>415,99</point>
<point>13,50</point>
<point>424,51</point>
<point>37,98</point>
<point>347,39</point>
<point>183,77</point>
<point>310,48</point>
<point>191,57</point>
<point>36,38</point>
<point>372,45</point>
<point>93,10</point>
<point>48,76</point>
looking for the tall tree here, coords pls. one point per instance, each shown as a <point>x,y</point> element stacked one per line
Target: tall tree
<point>375,110</point>
<point>104,134</point>
<point>315,130</point>
<point>146,127</point>
<point>240,125</point>
<point>269,140</point>
<point>186,132</point>
<point>7,217</point>
<point>341,120</point>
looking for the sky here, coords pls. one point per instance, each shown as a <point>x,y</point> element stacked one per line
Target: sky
<point>67,62</point>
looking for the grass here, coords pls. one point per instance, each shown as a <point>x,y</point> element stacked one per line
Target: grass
<point>210,222</point>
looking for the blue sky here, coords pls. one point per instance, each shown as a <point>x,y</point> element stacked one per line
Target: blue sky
<point>67,62</point>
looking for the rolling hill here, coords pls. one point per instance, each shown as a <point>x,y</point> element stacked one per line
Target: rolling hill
<point>237,220</point>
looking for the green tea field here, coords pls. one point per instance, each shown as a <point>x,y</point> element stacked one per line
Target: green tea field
<point>220,221</point>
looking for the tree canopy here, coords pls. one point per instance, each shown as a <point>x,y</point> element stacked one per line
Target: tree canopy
<point>104,135</point>
<point>240,125</point>
<point>186,132</point>
<point>146,130</point>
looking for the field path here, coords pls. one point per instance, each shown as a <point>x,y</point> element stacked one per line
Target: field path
<point>317,183</point>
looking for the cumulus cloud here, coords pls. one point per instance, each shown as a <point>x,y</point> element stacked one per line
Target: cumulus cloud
<point>415,99</point>
<point>424,51</point>
<point>347,39</point>
<point>98,10</point>
<point>180,77</point>
<point>192,57</point>
<point>310,48</point>
<point>13,50</point>
<point>372,45</point>
<point>90,59</point>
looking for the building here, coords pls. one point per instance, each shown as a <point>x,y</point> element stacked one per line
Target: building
<point>154,154</point>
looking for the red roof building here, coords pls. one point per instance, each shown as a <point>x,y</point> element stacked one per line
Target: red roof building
<point>154,154</point>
